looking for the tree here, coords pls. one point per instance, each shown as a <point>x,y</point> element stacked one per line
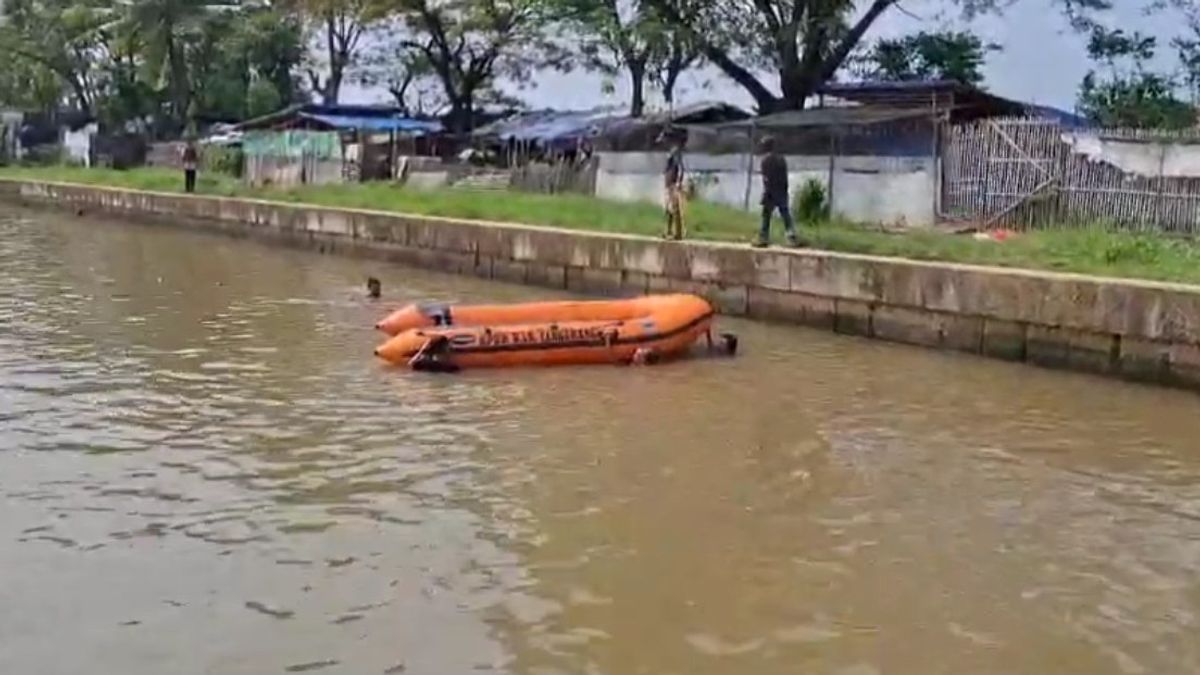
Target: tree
<point>631,36</point>
<point>129,62</point>
<point>1129,94</point>
<point>342,26</point>
<point>166,31</point>
<point>946,55</point>
<point>25,85</point>
<point>801,43</point>
<point>469,44</point>
<point>676,54</point>
<point>59,37</point>
<point>404,72</point>
<point>243,65</point>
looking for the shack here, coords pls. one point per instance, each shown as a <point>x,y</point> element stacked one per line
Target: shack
<point>320,144</point>
<point>874,148</point>
<point>541,135</point>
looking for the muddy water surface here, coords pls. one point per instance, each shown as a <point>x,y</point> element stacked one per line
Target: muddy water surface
<point>202,470</point>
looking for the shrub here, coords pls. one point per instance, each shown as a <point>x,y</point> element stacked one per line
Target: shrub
<point>220,159</point>
<point>811,204</point>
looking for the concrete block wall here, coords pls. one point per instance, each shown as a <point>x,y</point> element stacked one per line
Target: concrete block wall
<point>1139,330</point>
<point>891,190</point>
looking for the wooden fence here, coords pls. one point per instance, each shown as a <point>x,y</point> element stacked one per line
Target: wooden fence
<point>1035,173</point>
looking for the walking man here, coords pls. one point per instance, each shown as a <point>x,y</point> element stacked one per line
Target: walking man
<point>775,196</point>
<point>191,158</point>
<point>673,176</point>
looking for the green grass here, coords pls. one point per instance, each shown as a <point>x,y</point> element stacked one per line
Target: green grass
<point>1083,250</point>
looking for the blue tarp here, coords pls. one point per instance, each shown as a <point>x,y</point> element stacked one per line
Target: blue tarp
<point>382,124</point>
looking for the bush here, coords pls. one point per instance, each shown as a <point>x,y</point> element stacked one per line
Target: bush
<point>811,203</point>
<point>225,160</point>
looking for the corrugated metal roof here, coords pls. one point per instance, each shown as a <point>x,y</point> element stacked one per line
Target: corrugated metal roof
<point>928,93</point>
<point>347,117</point>
<point>548,126</point>
<point>831,117</point>
<point>354,122</point>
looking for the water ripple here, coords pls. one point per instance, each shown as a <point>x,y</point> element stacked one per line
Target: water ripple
<point>200,464</point>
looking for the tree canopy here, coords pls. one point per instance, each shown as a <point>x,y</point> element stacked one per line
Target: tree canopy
<point>946,55</point>
<point>163,65</point>
<point>1125,91</point>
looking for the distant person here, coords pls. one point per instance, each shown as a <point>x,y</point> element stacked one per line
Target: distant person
<point>775,196</point>
<point>191,158</point>
<point>374,288</point>
<point>673,177</point>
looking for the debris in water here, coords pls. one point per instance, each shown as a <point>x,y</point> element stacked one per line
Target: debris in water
<point>270,611</point>
<point>315,665</point>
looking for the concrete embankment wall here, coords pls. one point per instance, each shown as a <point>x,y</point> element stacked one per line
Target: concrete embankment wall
<point>1146,331</point>
<point>892,190</point>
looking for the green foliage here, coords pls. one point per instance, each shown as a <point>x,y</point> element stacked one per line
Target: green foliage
<point>633,37</point>
<point>163,64</point>
<point>812,206</point>
<point>26,86</point>
<point>469,46</point>
<point>802,44</point>
<point>946,55</point>
<point>226,161</point>
<point>157,63</point>
<point>1144,100</point>
<point>1128,94</point>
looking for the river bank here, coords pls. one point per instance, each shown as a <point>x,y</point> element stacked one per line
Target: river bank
<point>1083,251</point>
<point>1140,330</point>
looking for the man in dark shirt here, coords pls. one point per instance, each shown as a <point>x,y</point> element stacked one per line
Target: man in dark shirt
<point>775,195</point>
<point>673,175</point>
<point>191,158</point>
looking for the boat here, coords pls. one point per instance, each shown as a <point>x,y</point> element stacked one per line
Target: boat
<point>441,337</point>
<point>429,315</point>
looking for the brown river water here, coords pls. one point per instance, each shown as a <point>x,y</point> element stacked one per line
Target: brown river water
<point>203,470</point>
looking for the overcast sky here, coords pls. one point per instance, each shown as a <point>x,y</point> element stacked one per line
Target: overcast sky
<point>1043,59</point>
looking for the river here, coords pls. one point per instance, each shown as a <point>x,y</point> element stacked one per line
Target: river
<point>203,470</point>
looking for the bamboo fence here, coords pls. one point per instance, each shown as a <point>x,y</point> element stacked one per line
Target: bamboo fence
<point>1031,173</point>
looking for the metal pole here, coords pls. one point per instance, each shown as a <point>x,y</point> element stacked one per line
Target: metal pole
<point>750,165</point>
<point>1158,202</point>
<point>936,158</point>
<point>833,145</point>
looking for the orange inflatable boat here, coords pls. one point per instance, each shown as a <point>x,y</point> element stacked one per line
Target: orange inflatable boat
<point>444,337</point>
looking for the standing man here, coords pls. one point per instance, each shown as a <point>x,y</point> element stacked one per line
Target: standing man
<point>673,176</point>
<point>191,158</point>
<point>775,196</point>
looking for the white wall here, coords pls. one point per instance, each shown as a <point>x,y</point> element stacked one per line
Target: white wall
<point>10,128</point>
<point>1175,160</point>
<point>78,144</point>
<point>867,189</point>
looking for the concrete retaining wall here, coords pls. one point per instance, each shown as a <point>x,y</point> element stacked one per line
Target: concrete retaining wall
<point>1145,331</point>
<point>892,190</point>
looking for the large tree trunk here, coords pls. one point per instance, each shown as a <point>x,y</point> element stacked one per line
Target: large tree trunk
<point>461,119</point>
<point>80,93</point>
<point>337,64</point>
<point>180,93</point>
<point>333,86</point>
<point>669,83</point>
<point>637,83</point>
